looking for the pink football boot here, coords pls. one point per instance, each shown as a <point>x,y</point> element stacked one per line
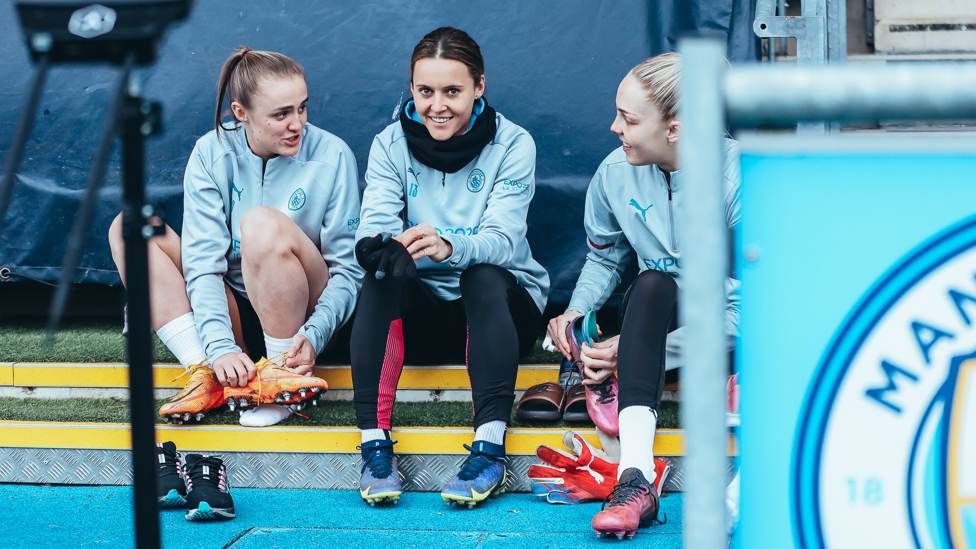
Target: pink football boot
<point>601,400</point>
<point>732,406</point>
<point>632,504</point>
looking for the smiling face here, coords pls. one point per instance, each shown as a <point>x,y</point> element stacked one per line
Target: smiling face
<point>444,94</point>
<point>274,122</point>
<point>647,137</point>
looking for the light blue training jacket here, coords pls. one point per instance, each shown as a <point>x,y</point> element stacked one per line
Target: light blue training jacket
<point>317,189</point>
<point>480,209</point>
<point>633,209</point>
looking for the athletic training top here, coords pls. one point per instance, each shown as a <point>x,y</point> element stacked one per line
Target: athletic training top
<point>317,189</point>
<point>480,209</point>
<point>633,208</point>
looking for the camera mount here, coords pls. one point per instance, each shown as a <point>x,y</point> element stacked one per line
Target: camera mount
<point>125,33</point>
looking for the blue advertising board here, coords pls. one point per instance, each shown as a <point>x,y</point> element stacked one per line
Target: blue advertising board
<point>857,257</point>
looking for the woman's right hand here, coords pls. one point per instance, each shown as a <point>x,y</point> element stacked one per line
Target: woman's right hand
<point>234,369</point>
<point>557,331</point>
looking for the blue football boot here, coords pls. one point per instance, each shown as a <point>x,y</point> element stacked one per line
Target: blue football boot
<point>482,474</point>
<point>380,480</point>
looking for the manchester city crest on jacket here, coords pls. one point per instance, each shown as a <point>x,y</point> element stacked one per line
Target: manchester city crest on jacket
<point>476,180</point>
<point>296,200</point>
<point>886,442</point>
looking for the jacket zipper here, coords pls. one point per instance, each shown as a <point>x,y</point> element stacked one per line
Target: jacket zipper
<point>443,178</point>
<point>674,242</point>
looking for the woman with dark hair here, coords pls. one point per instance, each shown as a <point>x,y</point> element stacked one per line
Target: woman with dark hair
<point>265,265</point>
<point>450,275</point>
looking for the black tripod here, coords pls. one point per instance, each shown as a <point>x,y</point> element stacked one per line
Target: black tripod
<point>123,32</point>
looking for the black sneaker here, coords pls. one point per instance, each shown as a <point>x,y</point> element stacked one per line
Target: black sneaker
<point>569,374</point>
<point>169,477</point>
<point>208,497</point>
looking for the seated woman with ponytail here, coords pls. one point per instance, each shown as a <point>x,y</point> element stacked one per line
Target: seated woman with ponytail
<point>450,276</point>
<point>265,265</point>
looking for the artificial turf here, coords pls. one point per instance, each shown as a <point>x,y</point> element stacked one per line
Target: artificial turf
<point>100,339</point>
<point>79,340</point>
<point>328,413</point>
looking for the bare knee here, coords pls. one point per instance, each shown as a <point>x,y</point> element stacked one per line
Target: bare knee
<point>115,240</point>
<point>263,234</point>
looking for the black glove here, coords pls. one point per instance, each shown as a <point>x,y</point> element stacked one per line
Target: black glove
<point>395,260</point>
<point>381,255</point>
<point>369,250</point>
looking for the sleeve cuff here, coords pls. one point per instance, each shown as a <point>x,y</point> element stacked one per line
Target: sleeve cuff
<point>578,306</point>
<point>458,249</point>
<point>314,336</point>
<point>221,348</point>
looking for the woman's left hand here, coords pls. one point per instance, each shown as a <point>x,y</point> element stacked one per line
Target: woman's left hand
<point>599,361</point>
<point>423,241</point>
<point>301,356</point>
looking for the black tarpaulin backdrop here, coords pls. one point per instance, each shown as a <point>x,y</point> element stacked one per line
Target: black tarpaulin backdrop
<point>551,68</point>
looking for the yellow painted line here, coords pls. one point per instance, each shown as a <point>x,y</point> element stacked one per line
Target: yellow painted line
<point>228,438</point>
<point>89,375</point>
<point>338,377</point>
<point>6,373</point>
<point>438,377</point>
<point>536,374</point>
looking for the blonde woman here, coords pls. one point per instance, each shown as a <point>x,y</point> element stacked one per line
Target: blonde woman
<point>632,207</point>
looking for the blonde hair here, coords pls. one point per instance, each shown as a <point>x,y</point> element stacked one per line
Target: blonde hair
<point>242,74</point>
<point>660,76</point>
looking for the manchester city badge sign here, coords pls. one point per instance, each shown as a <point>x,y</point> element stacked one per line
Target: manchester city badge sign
<point>858,356</point>
<point>887,440</point>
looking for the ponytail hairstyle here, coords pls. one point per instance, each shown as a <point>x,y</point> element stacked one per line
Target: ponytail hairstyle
<point>450,43</point>
<point>242,75</point>
<point>660,76</point>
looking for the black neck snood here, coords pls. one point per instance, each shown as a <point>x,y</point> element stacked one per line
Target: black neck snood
<point>455,153</point>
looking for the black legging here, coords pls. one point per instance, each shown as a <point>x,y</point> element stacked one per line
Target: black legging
<point>648,314</point>
<point>493,323</point>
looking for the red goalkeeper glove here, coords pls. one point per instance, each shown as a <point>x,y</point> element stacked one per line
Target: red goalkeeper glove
<point>586,474</point>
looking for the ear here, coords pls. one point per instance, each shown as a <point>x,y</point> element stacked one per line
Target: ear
<point>238,110</point>
<point>479,89</point>
<point>674,130</point>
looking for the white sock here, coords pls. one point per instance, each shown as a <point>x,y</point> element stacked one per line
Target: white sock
<point>180,336</point>
<point>732,505</point>
<point>373,434</point>
<point>493,432</point>
<point>275,346</point>
<point>265,415</point>
<point>637,426</point>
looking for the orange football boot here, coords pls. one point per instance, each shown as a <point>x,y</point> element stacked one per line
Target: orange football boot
<point>275,384</point>
<point>201,394</point>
